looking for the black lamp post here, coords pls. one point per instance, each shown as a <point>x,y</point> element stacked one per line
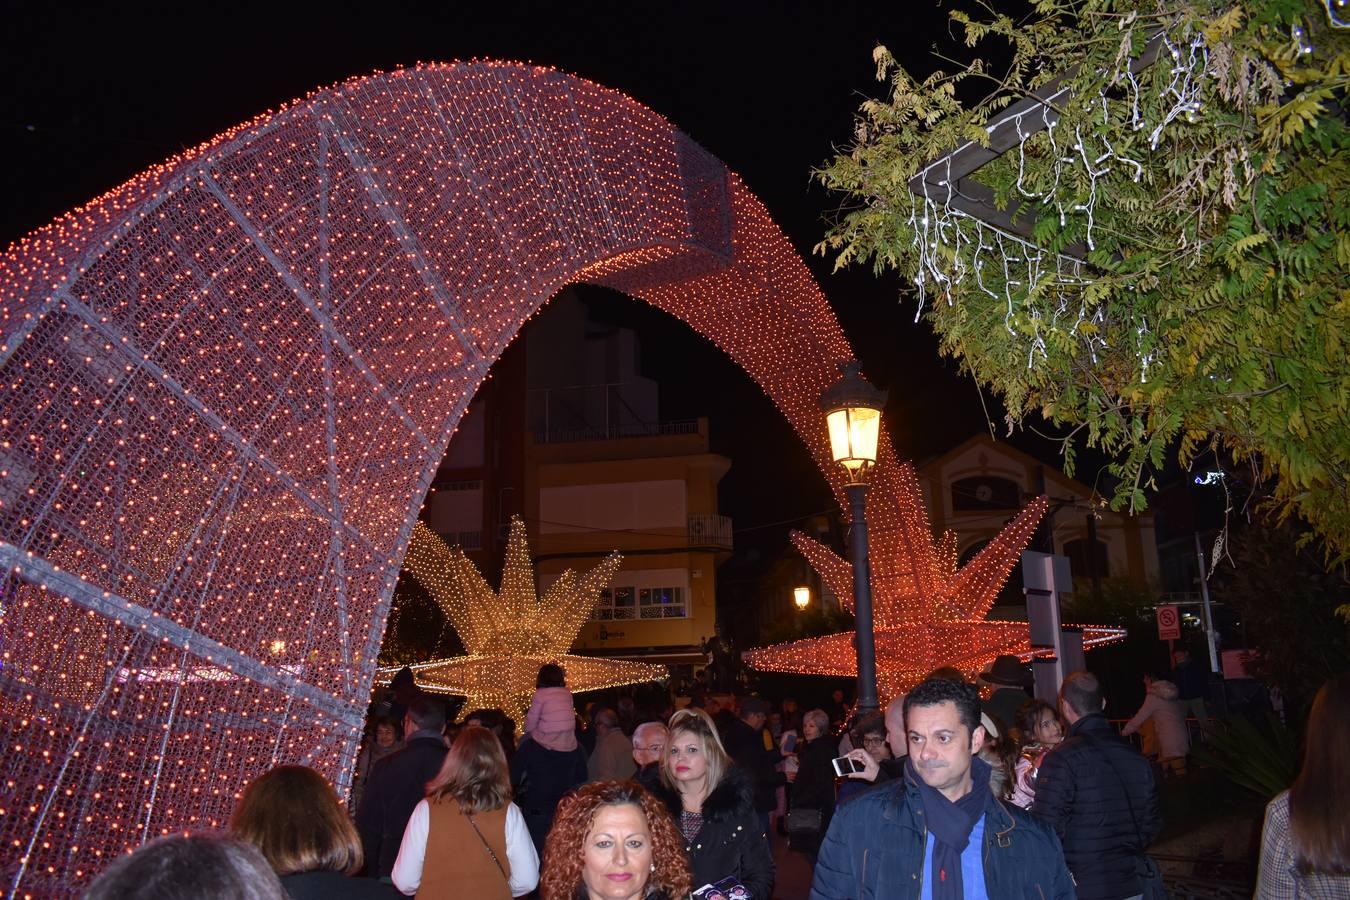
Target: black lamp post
<point>853,414</point>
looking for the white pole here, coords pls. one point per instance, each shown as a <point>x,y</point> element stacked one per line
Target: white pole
<point>1204,599</point>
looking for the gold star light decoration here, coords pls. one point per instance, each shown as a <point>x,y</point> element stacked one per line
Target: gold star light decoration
<point>928,612</point>
<point>510,633</point>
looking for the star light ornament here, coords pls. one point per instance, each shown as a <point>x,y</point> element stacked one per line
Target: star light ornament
<point>928,613</point>
<point>511,633</point>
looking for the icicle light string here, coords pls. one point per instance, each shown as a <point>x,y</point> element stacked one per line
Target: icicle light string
<point>946,250</point>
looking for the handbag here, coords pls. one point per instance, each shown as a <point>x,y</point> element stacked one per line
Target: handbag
<point>803,820</point>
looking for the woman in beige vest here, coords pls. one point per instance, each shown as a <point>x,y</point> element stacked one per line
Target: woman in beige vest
<point>467,839</point>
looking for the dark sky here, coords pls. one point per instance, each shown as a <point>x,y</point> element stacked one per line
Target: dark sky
<point>93,97</point>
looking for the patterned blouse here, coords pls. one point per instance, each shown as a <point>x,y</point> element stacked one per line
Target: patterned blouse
<point>690,823</point>
<point>1278,879</point>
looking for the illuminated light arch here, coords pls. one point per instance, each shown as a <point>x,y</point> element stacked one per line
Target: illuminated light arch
<point>227,386</point>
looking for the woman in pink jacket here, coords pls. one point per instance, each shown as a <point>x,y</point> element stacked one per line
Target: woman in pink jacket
<point>1163,707</point>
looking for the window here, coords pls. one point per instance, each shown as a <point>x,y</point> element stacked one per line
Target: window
<point>985,492</point>
<point>629,602</point>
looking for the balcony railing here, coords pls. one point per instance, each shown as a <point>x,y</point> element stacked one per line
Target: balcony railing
<point>614,432</point>
<point>710,531</point>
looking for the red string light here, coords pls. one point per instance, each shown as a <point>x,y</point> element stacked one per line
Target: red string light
<point>228,382</point>
<point>918,631</point>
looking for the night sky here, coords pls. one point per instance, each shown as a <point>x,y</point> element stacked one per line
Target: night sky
<point>91,98</point>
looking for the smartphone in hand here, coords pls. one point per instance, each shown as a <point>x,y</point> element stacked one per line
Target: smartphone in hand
<point>845,765</point>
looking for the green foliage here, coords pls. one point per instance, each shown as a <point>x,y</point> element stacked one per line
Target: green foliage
<point>1214,311</point>
<point>1286,602</point>
<point>1263,758</point>
<point>1120,604</point>
<point>418,631</point>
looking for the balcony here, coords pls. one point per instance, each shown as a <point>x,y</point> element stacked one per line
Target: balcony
<point>710,531</point>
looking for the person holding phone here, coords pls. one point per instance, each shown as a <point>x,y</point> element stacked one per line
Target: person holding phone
<point>869,737</point>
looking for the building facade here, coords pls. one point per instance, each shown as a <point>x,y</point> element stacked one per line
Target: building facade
<point>974,488</point>
<point>570,436</point>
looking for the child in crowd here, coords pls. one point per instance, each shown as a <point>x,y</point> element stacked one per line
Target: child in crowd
<point>551,721</point>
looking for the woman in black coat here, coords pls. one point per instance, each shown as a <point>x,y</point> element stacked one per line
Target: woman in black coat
<point>813,784</point>
<point>713,805</point>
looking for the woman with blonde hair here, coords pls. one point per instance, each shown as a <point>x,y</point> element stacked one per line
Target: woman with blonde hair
<point>291,815</point>
<point>467,839</point>
<point>1305,845</point>
<point>713,803</point>
<point>612,840</point>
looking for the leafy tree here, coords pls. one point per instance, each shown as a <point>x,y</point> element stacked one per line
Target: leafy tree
<point>1287,602</point>
<point>1184,282</point>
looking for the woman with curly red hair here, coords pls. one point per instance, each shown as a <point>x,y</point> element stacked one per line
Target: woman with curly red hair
<point>612,840</point>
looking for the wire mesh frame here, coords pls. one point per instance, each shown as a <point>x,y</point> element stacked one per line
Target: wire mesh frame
<point>228,384</point>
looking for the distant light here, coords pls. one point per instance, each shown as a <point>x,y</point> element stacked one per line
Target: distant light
<point>801,596</point>
<point>1209,478</point>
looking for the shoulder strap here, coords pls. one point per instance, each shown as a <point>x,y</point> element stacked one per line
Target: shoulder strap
<point>488,847</point>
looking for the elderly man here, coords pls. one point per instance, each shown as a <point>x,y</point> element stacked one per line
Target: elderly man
<point>612,759</point>
<point>939,831</point>
<point>649,748</point>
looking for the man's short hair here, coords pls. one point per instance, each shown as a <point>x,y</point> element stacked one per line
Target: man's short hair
<point>751,706</point>
<point>1082,692</point>
<point>427,715</point>
<point>607,717</point>
<point>936,691</point>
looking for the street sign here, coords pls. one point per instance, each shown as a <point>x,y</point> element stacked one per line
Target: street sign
<point>1169,623</point>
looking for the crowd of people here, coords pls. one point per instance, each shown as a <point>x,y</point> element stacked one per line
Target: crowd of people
<point>941,795</point>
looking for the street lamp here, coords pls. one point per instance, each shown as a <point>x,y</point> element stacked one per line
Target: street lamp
<point>801,596</point>
<point>853,415</point>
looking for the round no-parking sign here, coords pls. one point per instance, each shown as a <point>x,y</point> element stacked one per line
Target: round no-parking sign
<point>1169,623</point>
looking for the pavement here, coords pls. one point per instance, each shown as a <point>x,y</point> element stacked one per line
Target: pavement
<point>793,871</point>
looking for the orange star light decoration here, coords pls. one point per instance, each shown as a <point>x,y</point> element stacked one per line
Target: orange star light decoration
<point>927,612</point>
<point>511,633</point>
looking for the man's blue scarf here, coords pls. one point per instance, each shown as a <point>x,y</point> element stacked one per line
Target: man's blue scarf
<point>950,824</point>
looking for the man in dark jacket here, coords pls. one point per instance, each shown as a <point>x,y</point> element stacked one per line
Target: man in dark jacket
<point>744,743</point>
<point>1193,683</point>
<point>649,752</point>
<point>397,783</point>
<point>1098,793</point>
<point>539,778</point>
<point>940,825</point>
